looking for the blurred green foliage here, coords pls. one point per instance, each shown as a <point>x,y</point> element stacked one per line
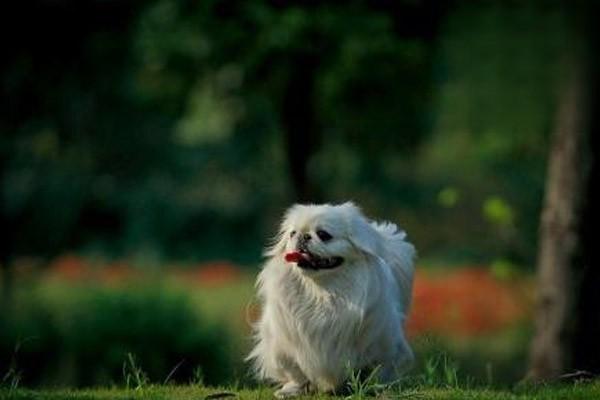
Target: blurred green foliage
<point>496,361</point>
<point>157,128</point>
<point>82,336</point>
<point>171,129</point>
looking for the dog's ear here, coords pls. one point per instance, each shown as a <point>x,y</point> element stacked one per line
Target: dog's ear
<point>278,242</point>
<point>361,232</point>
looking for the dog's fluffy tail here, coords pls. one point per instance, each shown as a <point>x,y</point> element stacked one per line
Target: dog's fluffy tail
<point>400,255</point>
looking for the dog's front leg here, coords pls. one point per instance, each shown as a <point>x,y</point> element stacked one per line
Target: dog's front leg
<point>295,382</point>
<point>393,369</point>
<point>291,389</point>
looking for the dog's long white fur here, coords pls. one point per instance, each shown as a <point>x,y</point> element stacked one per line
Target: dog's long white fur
<point>317,326</point>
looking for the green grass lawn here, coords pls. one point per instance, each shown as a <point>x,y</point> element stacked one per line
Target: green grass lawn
<point>584,391</point>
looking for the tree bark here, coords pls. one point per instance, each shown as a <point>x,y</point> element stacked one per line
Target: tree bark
<point>6,222</point>
<point>300,123</point>
<point>586,329</point>
<point>567,320</point>
<point>560,242</point>
<point>567,328</point>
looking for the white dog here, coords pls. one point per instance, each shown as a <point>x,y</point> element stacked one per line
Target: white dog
<point>335,292</point>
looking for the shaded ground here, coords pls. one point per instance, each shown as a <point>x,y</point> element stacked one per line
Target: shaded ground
<point>577,391</point>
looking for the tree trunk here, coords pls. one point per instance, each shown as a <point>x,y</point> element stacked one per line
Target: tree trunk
<point>560,242</point>
<point>300,123</point>
<point>567,320</point>
<point>7,225</point>
<point>586,330</point>
<point>6,287</point>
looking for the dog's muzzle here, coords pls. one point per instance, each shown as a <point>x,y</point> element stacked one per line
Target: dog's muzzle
<point>307,260</point>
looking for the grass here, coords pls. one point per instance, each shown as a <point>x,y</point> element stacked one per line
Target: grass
<point>584,391</point>
<point>439,380</point>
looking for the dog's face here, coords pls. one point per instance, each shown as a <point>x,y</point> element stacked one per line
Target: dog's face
<point>324,237</point>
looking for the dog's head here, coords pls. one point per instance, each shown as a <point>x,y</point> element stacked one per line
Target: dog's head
<point>324,237</point>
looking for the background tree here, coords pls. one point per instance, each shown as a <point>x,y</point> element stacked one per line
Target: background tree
<point>158,129</point>
<point>568,299</point>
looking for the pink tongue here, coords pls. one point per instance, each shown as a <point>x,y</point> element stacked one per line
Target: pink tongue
<point>294,256</point>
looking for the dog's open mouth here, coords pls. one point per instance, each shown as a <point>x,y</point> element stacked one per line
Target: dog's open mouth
<point>307,260</point>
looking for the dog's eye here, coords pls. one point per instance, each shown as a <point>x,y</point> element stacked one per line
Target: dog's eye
<point>292,233</point>
<point>323,235</point>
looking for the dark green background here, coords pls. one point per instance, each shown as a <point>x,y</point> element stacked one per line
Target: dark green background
<point>175,129</point>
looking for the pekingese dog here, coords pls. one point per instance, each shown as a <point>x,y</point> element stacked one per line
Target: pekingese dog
<point>335,293</point>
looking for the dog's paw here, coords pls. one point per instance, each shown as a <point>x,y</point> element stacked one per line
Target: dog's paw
<point>291,389</point>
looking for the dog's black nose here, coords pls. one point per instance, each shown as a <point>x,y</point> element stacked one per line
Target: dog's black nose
<point>303,240</point>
